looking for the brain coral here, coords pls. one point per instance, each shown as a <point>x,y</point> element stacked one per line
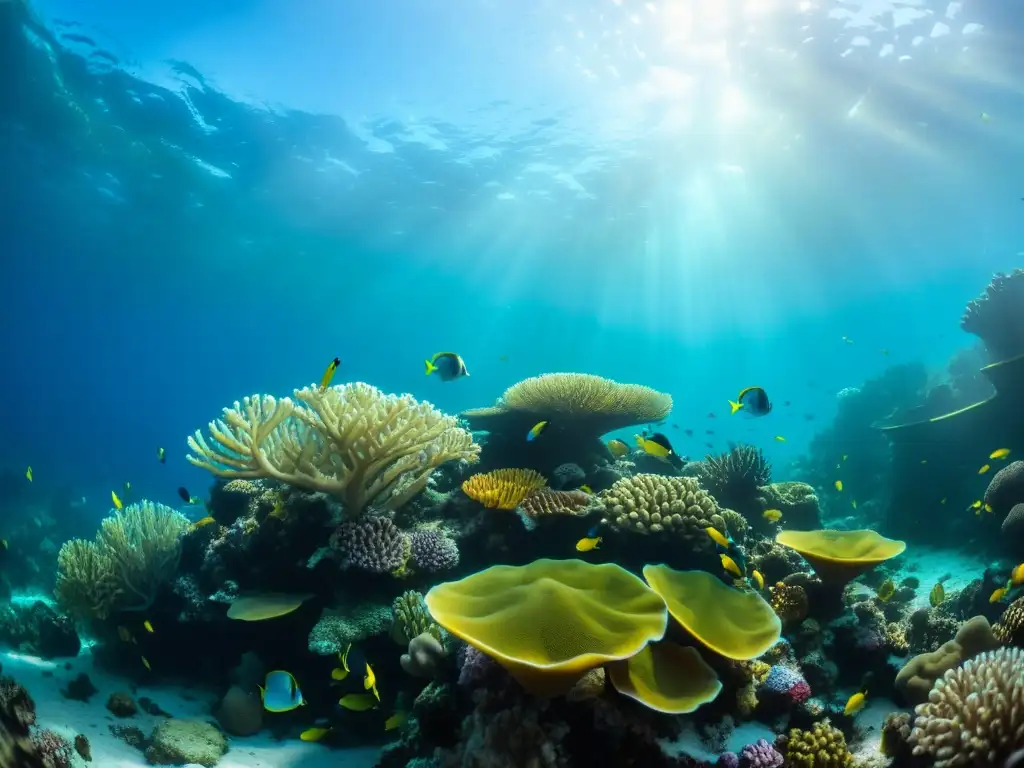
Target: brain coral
<point>653,503</point>
<point>975,714</point>
<point>1006,488</point>
<point>551,621</point>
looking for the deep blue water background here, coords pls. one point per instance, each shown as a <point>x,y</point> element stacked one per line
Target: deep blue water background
<point>141,293</point>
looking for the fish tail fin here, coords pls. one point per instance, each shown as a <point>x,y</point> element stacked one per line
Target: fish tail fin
<point>734,407</point>
<point>430,367</point>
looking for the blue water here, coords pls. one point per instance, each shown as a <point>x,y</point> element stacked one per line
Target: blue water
<point>202,202</point>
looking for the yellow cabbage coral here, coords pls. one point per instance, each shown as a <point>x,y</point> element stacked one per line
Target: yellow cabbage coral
<point>503,488</point>
<point>575,402</point>
<point>821,747</point>
<point>841,556</point>
<point>666,677</point>
<point>350,441</point>
<point>654,503</point>
<point>551,621</point>
<point>735,623</point>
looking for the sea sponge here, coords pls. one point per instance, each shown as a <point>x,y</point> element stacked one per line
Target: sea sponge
<point>841,556</point>
<point>1009,630</point>
<point>425,657</point>
<point>918,675</point>
<point>821,747</point>
<point>410,617</point>
<point>585,404</point>
<point>135,552</point>
<point>373,544</point>
<point>790,602</point>
<point>975,714</point>
<point>734,477</point>
<point>666,677</point>
<point>503,488</point>
<point>737,624</point>
<point>431,550</point>
<point>351,441</point>
<point>549,502</point>
<point>551,621</point>
<point>348,623</point>
<point>654,503</point>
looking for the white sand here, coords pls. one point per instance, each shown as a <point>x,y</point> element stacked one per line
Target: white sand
<point>929,565</point>
<point>69,718</point>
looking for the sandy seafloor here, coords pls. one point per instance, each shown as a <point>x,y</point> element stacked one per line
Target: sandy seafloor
<point>69,718</point>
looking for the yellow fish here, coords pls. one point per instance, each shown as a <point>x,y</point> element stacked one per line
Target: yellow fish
<point>161,455</point>
<point>780,438</point>
<point>1017,575</point>
<point>147,626</point>
<point>717,536</point>
<point>117,501</point>
<point>652,447</point>
<point>617,448</point>
<point>279,509</point>
<point>758,578</point>
<point>984,469</point>
<point>28,474</point>
<point>855,703</point>
<point>886,590</point>
<point>937,595</point>
<point>145,663</point>
<point>535,431</point>
<point>999,453</point>
<point>839,485</point>
<point>586,488</point>
<point>998,594</point>
<point>772,515</point>
<point>853,503</point>
<point>325,380</point>
<point>975,504</point>
<point>988,508</point>
<point>341,673</point>
<point>358,702</point>
<point>370,681</point>
<point>208,520</point>
<point>397,720</point>
<point>588,543</point>
<point>314,734</point>
<point>730,565</point>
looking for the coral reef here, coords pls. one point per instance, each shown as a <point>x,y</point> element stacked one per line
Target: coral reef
<point>374,544</point>
<point>789,601</point>
<point>996,316</point>
<point>431,550</point>
<point>1009,630</point>
<point>550,502</point>
<point>734,478</point>
<point>821,747</point>
<point>1006,488</point>
<point>503,488</point>
<point>652,503</point>
<point>351,441</point>
<point>178,742</point>
<point>918,675</point>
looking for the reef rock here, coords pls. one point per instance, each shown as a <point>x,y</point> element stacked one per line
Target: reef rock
<point>179,742</point>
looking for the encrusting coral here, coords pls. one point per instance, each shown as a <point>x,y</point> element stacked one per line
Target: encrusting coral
<point>975,714</point>
<point>135,552</point>
<point>821,747</point>
<point>503,488</point>
<point>350,441</point>
<point>654,503</point>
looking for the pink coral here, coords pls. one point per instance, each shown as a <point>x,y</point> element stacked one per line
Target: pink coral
<point>800,692</point>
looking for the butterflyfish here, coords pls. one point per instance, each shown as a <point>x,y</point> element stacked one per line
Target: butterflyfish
<point>886,590</point>
<point>447,365</point>
<point>937,595</point>
<point>340,673</point>
<point>325,380</point>
<point>617,448</point>
<point>752,400</point>
<point>999,453</point>
<point>838,485</point>
<point>146,625</point>
<point>855,703</point>
<point>116,500</point>
<point>280,692</point>
<point>358,702</point>
<point>161,455</point>
<point>588,543</point>
<point>535,431</point>
<point>314,734</point>
<point>730,565</point>
<point>718,537</point>
<point>772,515</point>
<point>397,720</point>
<point>28,474</point>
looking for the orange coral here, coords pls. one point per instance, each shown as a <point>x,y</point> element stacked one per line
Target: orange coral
<point>790,603</point>
<point>503,488</point>
<point>549,502</point>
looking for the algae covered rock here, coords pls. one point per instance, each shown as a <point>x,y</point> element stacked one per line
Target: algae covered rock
<point>180,742</point>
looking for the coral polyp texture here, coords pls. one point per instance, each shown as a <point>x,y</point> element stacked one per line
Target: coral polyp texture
<point>975,714</point>
<point>503,488</point>
<point>351,441</point>
<point>431,550</point>
<point>373,544</point>
<point>549,502</point>
<point>734,477</point>
<point>821,747</point>
<point>997,316</point>
<point>655,503</point>
<point>136,551</point>
<point>1009,630</point>
<point>582,403</point>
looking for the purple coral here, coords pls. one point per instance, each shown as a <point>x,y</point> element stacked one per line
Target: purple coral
<point>372,544</point>
<point>728,760</point>
<point>786,681</point>
<point>760,754</point>
<point>432,551</point>
<point>475,667</point>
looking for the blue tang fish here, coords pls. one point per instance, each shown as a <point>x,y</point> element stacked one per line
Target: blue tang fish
<point>752,400</point>
<point>447,365</point>
<point>281,692</point>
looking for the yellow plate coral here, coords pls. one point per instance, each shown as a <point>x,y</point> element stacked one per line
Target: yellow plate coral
<point>841,556</point>
<point>667,678</point>
<point>736,624</point>
<point>551,621</point>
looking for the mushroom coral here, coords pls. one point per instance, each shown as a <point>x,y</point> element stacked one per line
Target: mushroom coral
<point>666,677</point>
<point>550,622</point>
<point>736,624</point>
<point>839,557</point>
